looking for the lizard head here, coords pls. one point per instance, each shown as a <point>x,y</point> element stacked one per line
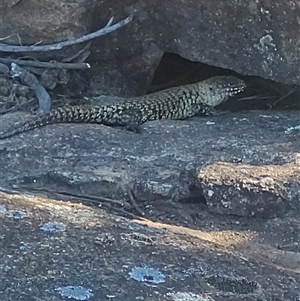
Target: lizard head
<point>220,88</point>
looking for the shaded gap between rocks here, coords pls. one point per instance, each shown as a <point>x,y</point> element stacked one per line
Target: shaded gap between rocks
<point>261,94</point>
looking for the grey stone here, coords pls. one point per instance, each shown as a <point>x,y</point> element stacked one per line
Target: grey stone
<point>165,161</point>
<point>249,37</point>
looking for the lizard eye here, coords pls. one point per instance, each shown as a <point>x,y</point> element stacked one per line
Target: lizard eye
<point>210,88</point>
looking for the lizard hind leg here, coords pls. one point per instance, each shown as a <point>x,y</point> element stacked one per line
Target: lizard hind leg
<point>130,118</point>
<point>135,128</point>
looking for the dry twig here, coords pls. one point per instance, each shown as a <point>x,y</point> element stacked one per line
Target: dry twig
<point>133,201</point>
<point>56,46</point>
<point>284,96</point>
<point>67,196</point>
<point>81,55</point>
<point>50,65</point>
<point>30,80</point>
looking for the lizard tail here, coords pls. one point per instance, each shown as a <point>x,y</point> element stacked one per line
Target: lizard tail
<point>60,115</point>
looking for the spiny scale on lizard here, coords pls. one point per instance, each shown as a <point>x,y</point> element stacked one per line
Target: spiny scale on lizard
<point>174,103</point>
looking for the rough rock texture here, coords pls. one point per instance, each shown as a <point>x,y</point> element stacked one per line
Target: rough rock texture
<point>262,191</point>
<point>220,258</point>
<point>48,21</point>
<point>249,37</point>
<point>164,161</point>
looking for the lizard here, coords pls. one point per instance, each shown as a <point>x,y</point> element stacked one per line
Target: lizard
<point>179,103</point>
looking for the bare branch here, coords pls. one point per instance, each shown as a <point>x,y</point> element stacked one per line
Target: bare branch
<point>50,65</point>
<point>56,46</point>
<point>81,55</point>
<point>30,79</point>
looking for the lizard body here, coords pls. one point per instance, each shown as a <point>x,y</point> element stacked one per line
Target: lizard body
<point>174,103</point>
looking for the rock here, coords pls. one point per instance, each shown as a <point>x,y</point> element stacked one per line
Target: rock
<point>81,246</point>
<point>43,21</point>
<point>247,190</point>
<point>250,38</point>
<point>166,161</point>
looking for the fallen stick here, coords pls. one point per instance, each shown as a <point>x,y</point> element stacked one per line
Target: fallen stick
<point>50,65</point>
<point>30,80</point>
<point>56,46</point>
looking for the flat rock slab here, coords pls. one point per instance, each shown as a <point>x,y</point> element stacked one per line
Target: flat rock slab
<point>49,246</point>
<point>167,161</point>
